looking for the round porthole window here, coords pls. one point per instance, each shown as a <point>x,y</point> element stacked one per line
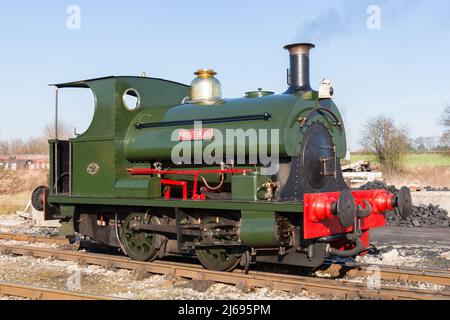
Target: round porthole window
<point>131,99</point>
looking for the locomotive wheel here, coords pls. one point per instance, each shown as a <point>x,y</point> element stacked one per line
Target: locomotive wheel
<point>139,244</point>
<point>38,197</point>
<point>217,259</point>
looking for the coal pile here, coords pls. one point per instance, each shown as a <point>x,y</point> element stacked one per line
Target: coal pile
<point>423,216</point>
<point>378,185</point>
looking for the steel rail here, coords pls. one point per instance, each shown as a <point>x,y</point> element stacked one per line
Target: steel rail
<point>39,293</point>
<point>388,273</point>
<point>289,283</point>
<point>391,273</point>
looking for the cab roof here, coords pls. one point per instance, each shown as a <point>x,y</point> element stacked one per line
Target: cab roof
<point>84,83</point>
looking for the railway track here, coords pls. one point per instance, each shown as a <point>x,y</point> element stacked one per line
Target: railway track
<point>39,293</point>
<point>388,273</point>
<point>392,273</point>
<point>290,283</point>
<point>33,238</point>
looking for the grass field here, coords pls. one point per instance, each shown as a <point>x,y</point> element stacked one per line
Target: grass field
<point>16,188</point>
<point>412,159</point>
<point>12,203</point>
<point>423,169</point>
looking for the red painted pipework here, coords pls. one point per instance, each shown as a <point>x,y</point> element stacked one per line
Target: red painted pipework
<point>149,171</point>
<point>182,184</point>
<point>195,173</point>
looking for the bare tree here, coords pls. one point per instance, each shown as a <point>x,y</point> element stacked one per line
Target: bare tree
<point>64,131</point>
<point>36,145</point>
<point>386,141</point>
<point>4,147</point>
<point>425,143</point>
<point>18,146</point>
<point>29,146</point>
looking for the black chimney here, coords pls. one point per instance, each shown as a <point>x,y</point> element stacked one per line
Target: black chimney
<point>299,70</point>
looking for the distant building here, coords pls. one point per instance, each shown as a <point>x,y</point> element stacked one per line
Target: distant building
<point>24,162</point>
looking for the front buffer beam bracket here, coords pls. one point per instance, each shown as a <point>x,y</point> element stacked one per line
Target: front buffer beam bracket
<point>328,214</point>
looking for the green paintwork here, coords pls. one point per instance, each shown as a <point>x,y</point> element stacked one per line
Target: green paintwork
<point>243,188</point>
<point>156,144</point>
<point>51,178</point>
<point>102,143</point>
<point>288,207</point>
<point>86,153</point>
<point>140,187</point>
<point>113,144</point>
<point>258,229</point>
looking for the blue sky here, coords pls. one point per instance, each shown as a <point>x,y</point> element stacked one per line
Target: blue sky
<point>401,70</point>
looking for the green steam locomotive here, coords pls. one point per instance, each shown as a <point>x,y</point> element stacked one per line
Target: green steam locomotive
<point>169,169</point>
